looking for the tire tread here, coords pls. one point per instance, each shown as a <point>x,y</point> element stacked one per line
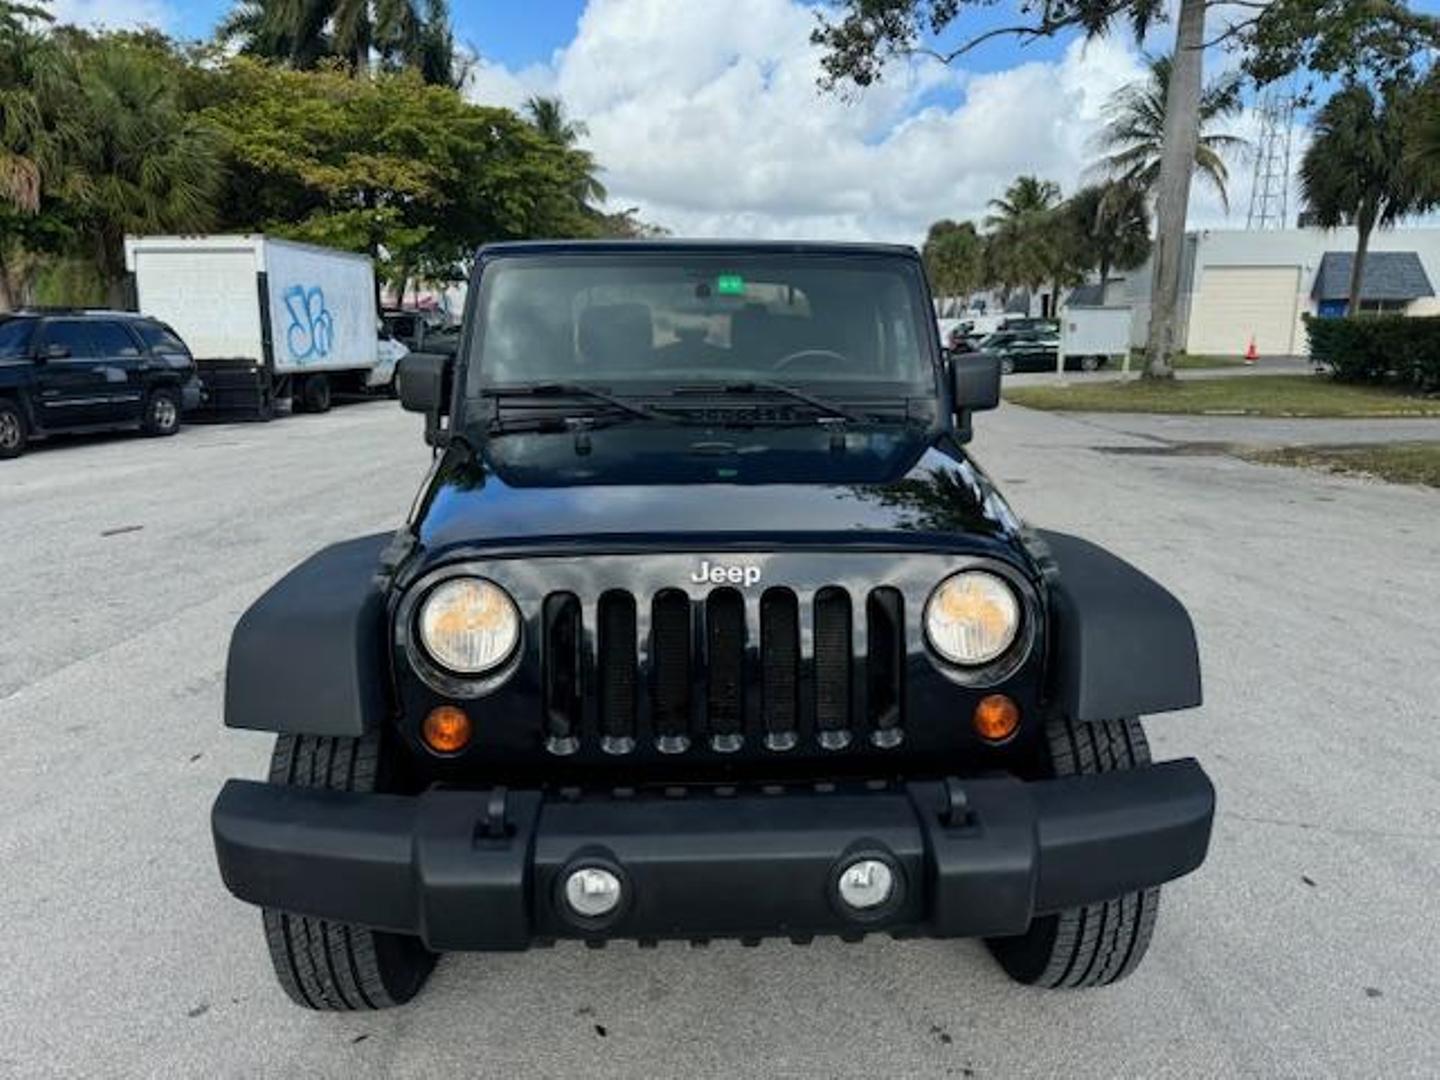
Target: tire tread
<point>326,965</point>
<point>1095,944</point>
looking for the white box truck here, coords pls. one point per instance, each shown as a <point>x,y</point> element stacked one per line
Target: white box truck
<point>267,320</point>
<point>1092,337</point>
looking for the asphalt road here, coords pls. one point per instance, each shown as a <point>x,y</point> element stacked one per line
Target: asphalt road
<point>1307,945</point>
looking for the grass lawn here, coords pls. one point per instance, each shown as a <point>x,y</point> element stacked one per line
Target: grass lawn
<point>1400,463</point>
<point>1256,395</point>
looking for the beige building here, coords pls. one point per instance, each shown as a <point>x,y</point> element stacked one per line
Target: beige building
<point>1239,285</point>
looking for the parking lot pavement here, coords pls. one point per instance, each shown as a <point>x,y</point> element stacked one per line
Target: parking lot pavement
<point>1306,946</point>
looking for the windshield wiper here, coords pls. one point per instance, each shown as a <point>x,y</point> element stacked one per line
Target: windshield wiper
<point>830,408</point>
<point>574,390</point>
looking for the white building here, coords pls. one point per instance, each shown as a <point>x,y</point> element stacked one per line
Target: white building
<point>1237,285</point>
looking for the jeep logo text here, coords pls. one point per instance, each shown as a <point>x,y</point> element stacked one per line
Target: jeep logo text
<point>715,574</point>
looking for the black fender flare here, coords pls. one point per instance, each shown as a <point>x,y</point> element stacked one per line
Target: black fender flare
<point>1120,643</point>
<point>309,656</point>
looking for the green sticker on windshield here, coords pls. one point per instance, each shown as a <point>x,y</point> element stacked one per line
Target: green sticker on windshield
<point>730,285</point>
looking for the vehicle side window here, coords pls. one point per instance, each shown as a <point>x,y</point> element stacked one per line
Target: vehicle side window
<point>15,335</point>
<point>159,338</point>
<point>112,339</point>
<point>73,335</point>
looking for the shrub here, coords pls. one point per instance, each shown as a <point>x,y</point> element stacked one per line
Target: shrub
<point>1376,349</point>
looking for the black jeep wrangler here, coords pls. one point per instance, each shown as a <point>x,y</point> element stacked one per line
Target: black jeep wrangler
<point>705,625</point>
<point>70,371</point>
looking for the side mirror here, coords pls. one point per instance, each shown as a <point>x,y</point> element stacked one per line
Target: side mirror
<point>975,380</point>
<point>424,380</point>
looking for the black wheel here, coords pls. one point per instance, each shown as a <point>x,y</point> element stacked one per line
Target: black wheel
<point>315,394</point>
<point>1097,944</point>
<point>161,415</point>
<point>13,434</point>
<point>1091,363</point>
<point>337,966</point>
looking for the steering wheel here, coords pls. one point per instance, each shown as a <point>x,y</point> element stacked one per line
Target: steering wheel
<point>818,354</point>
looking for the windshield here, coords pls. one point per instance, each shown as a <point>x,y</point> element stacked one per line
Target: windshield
<point>641,324</point>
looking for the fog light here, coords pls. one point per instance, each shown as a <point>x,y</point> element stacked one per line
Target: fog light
<point>592,892</point>
<point>996,718</point>
<point>866,884</point>
<point>446,729</point>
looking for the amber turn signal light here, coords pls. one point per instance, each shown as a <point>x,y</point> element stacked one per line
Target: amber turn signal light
<point>996,718</point>
<point>446,729</point>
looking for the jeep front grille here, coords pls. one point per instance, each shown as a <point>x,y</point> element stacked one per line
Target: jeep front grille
<point>722,670</point>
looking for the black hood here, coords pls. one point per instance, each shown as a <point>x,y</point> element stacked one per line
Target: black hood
<point>669,487</point>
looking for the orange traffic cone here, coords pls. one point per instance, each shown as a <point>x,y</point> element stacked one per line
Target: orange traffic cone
<point>1252,354</point>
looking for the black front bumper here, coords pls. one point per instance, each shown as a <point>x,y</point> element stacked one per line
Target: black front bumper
<point>485,870</point>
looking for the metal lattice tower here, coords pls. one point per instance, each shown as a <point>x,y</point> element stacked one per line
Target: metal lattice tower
<point>1270,188</point>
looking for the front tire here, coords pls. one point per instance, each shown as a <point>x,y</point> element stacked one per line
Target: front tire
<point>329,966</point>
<point>1097,944</point>
<point>162,412</point>
<point>1091,363</point>
<point>13,433</point>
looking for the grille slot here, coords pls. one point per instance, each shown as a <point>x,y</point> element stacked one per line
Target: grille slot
<point>616,670</point>
<point>832,667</point>
<point>885,665</point>
<point>670,664</point>
<point>725,669</point>
<point>780,668</point>
<point>561,673</point>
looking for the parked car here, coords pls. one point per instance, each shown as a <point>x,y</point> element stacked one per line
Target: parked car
<point>421,331</point>
<point>69,371</point>
<point>716,633</point>
<point>1034,350</point>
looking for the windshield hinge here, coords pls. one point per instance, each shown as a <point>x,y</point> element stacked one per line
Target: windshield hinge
<point>580,427</point>
<point>839,428</point>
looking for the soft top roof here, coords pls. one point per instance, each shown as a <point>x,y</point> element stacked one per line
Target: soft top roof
<point>704,247</point>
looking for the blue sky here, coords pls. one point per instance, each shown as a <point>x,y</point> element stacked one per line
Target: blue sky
<point>706,118</point>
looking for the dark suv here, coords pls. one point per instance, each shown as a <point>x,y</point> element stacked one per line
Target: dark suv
<point>706,625</point>
<point>69,371</point>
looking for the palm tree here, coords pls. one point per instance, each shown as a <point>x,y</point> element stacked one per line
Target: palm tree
<point>1134,132</point>
<point>1022,249</point>
<point>547,116</point>
<point>36,124</point>
<point>399,33</point>
<point>1358,171</point>
<point>1109,227</point>
<point>147,166</point>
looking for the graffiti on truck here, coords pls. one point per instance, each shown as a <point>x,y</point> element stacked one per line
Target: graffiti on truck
<point>312,328</point>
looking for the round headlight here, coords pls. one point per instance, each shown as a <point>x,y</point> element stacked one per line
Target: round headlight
<point>972,618</point>
<point>469,625</point>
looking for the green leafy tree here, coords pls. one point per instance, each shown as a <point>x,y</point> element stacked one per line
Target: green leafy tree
<point>859,38</point>
<point>1107,227</point>
<point>409,173</point>
<point>954,254</point>
<point>1357,169</point>
<point>1134,133</point>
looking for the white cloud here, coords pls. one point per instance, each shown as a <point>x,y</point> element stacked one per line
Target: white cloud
<point>114,14</point>
<point>713,125</point>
